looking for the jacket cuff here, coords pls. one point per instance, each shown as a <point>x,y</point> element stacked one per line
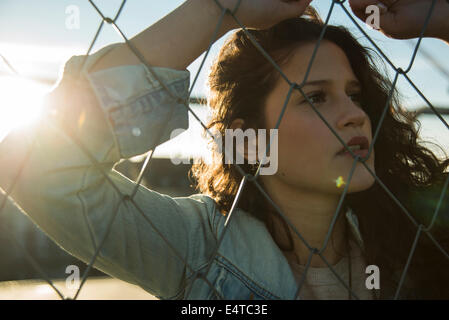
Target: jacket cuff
<point>139,110</point>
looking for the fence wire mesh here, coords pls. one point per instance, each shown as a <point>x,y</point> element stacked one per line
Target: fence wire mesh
<point>248,178</point>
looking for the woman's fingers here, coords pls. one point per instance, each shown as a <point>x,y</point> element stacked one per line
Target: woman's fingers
<point>294,8</point>
<point>388,3</point>
<point>405,19</point>
<point>359,7</point>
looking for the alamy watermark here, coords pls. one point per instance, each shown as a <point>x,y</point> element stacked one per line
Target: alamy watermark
<point>72,282</point>
<point>72,21</point>
<point>256,150</point>
<point>373,280</point>
<point>373,12</point>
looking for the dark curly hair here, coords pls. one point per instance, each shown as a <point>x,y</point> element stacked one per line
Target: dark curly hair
<point>239,81</point>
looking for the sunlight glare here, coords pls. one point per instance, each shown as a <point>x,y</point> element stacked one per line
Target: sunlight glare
<point>20,103</point>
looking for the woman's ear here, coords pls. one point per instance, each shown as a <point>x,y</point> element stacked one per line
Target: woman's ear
<point>247,143</point>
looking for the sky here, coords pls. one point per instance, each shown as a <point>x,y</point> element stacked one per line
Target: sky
<point>35,39</point>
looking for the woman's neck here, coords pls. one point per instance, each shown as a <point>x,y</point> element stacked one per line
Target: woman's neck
<point>311,213</point>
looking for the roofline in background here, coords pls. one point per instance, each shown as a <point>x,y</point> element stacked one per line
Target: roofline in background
<point>203,100</point>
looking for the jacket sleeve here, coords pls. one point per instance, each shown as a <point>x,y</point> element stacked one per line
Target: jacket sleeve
<point>90,122</point>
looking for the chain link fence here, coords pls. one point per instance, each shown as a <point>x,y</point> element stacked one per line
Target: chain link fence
<point>421,230</point>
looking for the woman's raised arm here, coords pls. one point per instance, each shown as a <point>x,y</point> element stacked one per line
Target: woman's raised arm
<point>60,172</point>
<point>183,35</point>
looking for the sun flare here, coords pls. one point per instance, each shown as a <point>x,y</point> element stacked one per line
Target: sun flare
<point>340,182</point>
<point>20,103</point>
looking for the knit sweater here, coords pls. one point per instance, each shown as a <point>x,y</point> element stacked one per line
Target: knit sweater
<point>322,284</point>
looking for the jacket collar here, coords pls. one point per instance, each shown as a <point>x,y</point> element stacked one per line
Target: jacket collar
<point>267,266</point>
<point>354,227</point>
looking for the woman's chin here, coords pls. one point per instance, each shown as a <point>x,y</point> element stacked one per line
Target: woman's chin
<point>361,183</point>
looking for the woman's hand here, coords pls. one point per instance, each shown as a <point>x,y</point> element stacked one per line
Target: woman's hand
<point>262,14</point>
<point>404,19</point>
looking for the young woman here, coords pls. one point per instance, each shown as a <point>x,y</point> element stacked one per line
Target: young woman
<point>113,107</point>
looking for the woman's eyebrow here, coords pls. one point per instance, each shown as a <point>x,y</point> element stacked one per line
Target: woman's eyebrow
<point>317,82</point>
<point>353,84</point>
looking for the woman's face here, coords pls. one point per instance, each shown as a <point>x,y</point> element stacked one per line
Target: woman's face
<point>307,149</point>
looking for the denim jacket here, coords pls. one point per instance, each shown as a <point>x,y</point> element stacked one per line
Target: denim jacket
<point>118,113</point>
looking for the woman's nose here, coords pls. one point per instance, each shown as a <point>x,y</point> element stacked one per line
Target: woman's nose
<point>351,114</point>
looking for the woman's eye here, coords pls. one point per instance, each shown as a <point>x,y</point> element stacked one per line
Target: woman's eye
<point>316,97</point>
<point>356,97</point>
